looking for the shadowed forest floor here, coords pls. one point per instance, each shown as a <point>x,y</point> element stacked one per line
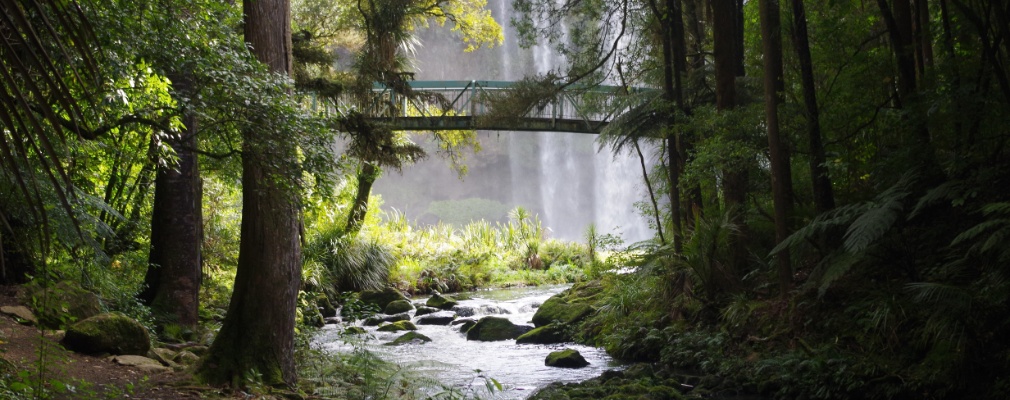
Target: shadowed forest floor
<point>71,375</point>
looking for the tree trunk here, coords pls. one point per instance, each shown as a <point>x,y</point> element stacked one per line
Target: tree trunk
<point>257,337</point>
<point>172,283</point>
<point>771,39</point>
<point>366,178</point>
<point>671,80</point>
<point>726,17</point>
<point>652,194</point>
<point>824,198</point>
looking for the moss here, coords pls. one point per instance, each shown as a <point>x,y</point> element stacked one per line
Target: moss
<point>547,334</point>
<point>64,303</point>
<point>567,358</point>
<point>557,308</point>
<point>355,330</point>
<point>398,326</point>
<point>409,337</point>
<point>381,298</point>
<point>398,306</point>
<point>493,329</point>
<point>108,333</point>
<point>441,302</point>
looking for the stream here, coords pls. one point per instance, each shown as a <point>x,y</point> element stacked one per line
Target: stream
<point>453,360</point>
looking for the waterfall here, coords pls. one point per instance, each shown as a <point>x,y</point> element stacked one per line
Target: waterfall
<point>562,177</point>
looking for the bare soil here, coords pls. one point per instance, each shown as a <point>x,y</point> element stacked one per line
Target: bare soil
<point>83,376</point>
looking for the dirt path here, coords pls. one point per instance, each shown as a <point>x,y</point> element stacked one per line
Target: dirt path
<point>71,375</point>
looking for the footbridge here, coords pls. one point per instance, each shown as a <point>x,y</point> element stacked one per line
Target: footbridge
<point>466,105</point>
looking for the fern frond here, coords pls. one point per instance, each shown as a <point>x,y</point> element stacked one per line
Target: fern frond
<point>638,122</point>
<point>996,241</point>
<point>975,232</point>
<point>872,225</point>
<point>947,191</point>
<point>824,222</point>
<point>834,268</point>
<point>996,208</point>
<point>947,295</point>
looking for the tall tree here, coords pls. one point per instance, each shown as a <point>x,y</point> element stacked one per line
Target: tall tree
<point>173,274</point>
<point>727,45</point>
<point>257,336</point>
<point>771,39</point>
<point>824,198</point>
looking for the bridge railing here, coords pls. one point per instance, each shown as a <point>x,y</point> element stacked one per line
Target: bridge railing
<point>592,107</point>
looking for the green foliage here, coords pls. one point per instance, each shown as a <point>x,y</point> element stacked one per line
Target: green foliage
<point>463,212</point>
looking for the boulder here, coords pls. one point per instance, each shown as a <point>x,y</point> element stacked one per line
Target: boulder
<point>547,334</point>
<point>163,355</point>
<point>378,319</point>
<point>331,320</point>
<point>557,308</point>
<point>326,307</point>
<point>441,302</point>
<point>142,363</point>
<point>63,304</point>
<point>199,350</point>
<point>567,358</point>
<point>398,306</point>
<point>465,311</point>
<point>409,337</point>
<point>488,309</point>
<point>398,326</point>
<point>466,325</point>
<point>21,314</point>
<point>186,357</point>
<point>495,328</point>
<point>355,330</point>
<point>439,318</point>
<point>112,333</point>
<point>424,310</point>
<point>381,298</point>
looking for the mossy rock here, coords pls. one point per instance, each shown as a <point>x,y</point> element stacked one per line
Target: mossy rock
<point>490,329</point>
<point>111,333</point>
<point>547,334</point>
<point>557,308</point>
<point>611,385</point>
<point>567,358</point>
<point>326,307</point>
<point>63,304</point>
<point>441,302</point>
<point>398,306</point>
<point>409,337</point>
<point>398,326</point>
<point>378,319</point>
<point>425,310</point>
<point>355,330</point>
<point>465,326</point>
<point>186,357</point>
<point>439,318</point>
<point>381,298</point>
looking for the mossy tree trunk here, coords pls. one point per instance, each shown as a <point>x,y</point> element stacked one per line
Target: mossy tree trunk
<point>256,341</point>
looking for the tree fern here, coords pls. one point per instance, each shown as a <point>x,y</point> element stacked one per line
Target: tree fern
<point>953,190</point>
<point>872,225</point>
<point>834,267</point>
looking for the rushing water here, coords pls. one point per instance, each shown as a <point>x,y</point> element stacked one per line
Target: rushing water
<point>453,360</point>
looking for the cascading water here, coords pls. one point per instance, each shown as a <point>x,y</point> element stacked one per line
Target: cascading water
<point>559,176</point>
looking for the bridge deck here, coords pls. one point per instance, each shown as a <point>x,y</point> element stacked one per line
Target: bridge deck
<point>443,123</point>
<point>462,105</point>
